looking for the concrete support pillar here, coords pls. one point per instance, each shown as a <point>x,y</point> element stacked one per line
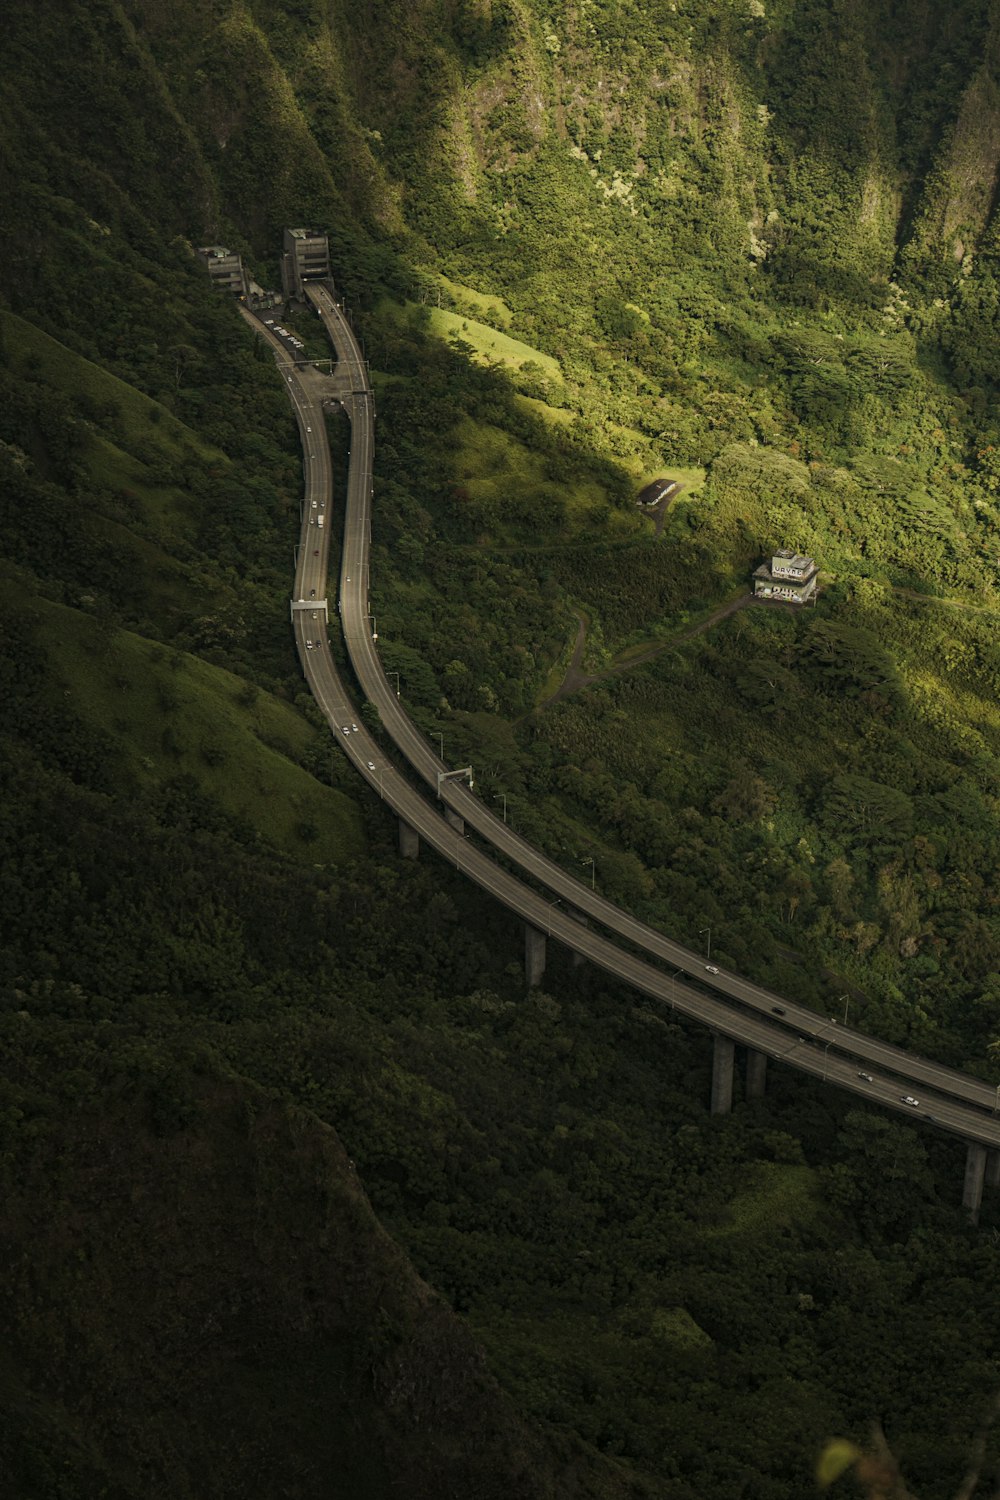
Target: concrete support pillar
<point>534,956</point>
<point>409,841</point>
<point>722,1074</point>
<point>993,1169</point>
<point>756,1073</point>
<point>454,819</point>
<point>577,958</point>
<point>975,1171</point>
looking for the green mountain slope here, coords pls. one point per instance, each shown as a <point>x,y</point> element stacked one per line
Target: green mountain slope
<point>231,1319</point>
<point>751,245</point>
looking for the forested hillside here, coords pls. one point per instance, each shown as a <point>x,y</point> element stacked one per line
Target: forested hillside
<point>747,245</point>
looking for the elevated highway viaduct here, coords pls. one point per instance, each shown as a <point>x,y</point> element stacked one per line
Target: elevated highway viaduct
<point>737,1011</point>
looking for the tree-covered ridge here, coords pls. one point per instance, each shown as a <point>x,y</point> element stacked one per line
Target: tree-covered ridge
<point>231,1315</point>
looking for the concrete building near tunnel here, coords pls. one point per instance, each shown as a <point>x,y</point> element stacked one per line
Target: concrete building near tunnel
<point>225,268</point>
<point>306,258</point>
<point>788,575</point>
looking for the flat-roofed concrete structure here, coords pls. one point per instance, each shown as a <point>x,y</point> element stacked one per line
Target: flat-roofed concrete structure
<point>225,268</point>
<point>306,258</point>
<point>655,493</point>
<point>788,575</point>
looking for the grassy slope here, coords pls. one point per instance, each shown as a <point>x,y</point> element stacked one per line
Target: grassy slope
<point>175,715</point>
<point>496,470</point>
<point>172,713</point>
<point>492,310</point>
<point>150,429</point>
<point>487,343</point>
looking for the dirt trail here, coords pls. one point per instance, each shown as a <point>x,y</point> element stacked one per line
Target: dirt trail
<point>576,679</point>
<point>979,609</point>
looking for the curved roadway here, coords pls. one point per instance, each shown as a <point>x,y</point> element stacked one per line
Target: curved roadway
<point>799,1037</point>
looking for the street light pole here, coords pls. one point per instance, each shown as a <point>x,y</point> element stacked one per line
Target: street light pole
<point>440,741</point>
<point>504,796</point>
<point>589,860</point>
<point>396,675</point>
<point>826,1046</point>
<point>708,949</point>
<point>464,771</point>
<point>847,1000</point>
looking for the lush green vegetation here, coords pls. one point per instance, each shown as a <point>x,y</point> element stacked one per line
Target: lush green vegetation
<point>748,245</point>
<point>689,1296</point>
